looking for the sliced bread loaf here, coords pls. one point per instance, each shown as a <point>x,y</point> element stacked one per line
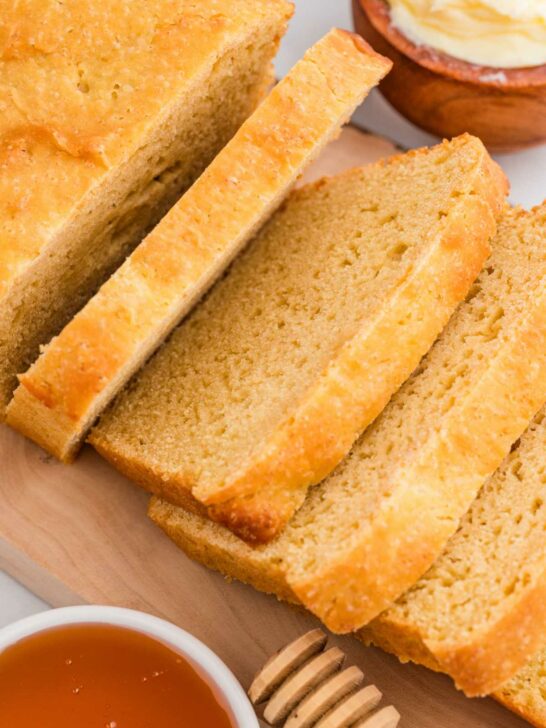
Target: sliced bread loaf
<point>480,610</point>
<point>109,111</point>
<point>263,390</point>
<point>81,370</point>
<point>370,530</point>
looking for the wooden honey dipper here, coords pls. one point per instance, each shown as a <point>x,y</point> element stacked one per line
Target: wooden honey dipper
<point>305,687</point>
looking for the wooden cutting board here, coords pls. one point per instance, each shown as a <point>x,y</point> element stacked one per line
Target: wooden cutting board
<point>79,533</point>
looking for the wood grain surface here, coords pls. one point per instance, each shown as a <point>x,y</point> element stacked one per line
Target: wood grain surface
<point>80,533</point>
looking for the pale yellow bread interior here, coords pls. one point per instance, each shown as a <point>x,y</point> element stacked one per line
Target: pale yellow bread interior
<point>370,530</point>
<point>263,389</point>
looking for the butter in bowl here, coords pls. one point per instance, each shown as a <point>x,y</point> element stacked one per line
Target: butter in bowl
<point>463,66</point>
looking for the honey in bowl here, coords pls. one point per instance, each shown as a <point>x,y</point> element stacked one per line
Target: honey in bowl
<point>103,676</point>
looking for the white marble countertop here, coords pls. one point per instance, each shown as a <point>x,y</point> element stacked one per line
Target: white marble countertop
<point>526,170</point>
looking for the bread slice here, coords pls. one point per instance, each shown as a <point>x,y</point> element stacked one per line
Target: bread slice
<point>480,610</point>
<point>369,531</point>
<point>263,390</point>
<point>525,693</point>
<point>94,356</point>
<point>101,131</point>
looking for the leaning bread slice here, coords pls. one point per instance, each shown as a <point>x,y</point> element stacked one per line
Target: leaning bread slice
<point>369,531</point>
<point>109,111</point>
<point>480,610</point>
<point>263,390</point>
<point>525,693</point>
<point>82,369</point>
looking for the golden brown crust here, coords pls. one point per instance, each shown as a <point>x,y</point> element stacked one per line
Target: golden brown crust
<point>517,703</point>
<point>503,640</point>
<point>535,718</point>
<point>482,666</point>
<point>150,92</point>
<point>405,643</point>
<point>473,441</point>
<point>218,549</point>
<point>225,553</point>
<point>265,574</point>
<point>79,372</point>
<point>262,568</point>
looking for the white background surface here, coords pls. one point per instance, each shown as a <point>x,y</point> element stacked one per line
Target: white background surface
<point>313,18</point>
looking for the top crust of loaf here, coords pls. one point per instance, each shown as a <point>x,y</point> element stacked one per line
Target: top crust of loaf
<point>116,75</point>
<point>401,300</point>
<point>83,368</point>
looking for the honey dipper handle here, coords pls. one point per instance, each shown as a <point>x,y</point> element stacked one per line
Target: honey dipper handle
<point>302,686</point>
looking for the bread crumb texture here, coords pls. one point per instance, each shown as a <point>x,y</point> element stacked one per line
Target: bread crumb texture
<point>108,112</point>
<point>370,530</point>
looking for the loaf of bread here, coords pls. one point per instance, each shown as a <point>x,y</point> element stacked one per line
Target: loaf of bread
<point>369,531</point>
<point>93,357</point>
<point>109,110</point>
<point>480,611</point>
<point>264,388</point>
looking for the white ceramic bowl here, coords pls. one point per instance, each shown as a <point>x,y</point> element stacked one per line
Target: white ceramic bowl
<point>206,662</point>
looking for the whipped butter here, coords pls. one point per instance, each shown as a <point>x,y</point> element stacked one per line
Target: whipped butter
<point>497,33</point>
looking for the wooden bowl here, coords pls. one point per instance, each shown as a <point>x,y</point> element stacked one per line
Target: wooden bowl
<point>506,108</point>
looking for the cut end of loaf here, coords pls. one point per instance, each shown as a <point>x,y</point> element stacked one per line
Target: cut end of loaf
<point>127,151</point>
